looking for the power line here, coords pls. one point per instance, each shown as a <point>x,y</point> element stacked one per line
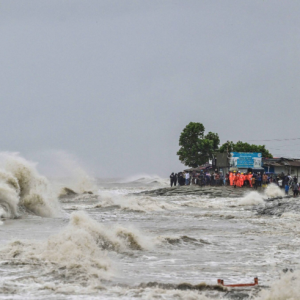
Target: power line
<point>275,140</point>
<point>282,147</point>
<point>285,145</point>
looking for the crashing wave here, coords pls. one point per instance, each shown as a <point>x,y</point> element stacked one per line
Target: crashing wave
<point>146,180</point>
<point>255,198</point>
<point>134,203</point>
<point>79,252</point>
<point>21,187</point>
<point>282,289</point>
<point>273,191</point>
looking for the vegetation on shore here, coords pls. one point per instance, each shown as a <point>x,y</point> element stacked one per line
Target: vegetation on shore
<point>196,148</point>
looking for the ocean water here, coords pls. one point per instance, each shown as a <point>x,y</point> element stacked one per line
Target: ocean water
<point>115,244</point>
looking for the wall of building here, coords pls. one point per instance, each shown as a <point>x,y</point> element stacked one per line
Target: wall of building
<point>286,170</point>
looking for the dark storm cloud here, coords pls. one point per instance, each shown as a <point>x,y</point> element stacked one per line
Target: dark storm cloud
<point>115,82</point>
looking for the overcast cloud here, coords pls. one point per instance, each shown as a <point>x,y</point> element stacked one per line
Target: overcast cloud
<point>115,82</point>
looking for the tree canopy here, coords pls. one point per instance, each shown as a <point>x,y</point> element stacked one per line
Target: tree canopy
<point>245,147</point>
<point>195,147</point>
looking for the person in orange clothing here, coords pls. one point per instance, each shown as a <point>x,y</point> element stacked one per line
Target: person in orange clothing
<point>231,178</point>
<point>242,179</point>
<point>238,179</point>
<point>249,178</point>
<point>234,179</point>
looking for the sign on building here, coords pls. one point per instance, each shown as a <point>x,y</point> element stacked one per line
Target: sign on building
<point>245,160</point>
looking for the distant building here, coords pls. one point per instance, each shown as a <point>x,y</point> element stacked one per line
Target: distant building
<point>205,167</point>
<point>278,165</point>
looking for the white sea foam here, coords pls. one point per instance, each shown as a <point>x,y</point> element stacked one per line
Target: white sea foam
<point>256,198</point>
<point>136,203</point>
<point>79,251</point>
<point>273,191</point>
<point>66,170</point>
<point>285,288</point>
<point>253,198</point>
<point>166,294</point>
<point>145,179</point>
<point>21,185</point>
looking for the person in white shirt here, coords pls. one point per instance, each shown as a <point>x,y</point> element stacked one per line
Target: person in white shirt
<point>187,178</point>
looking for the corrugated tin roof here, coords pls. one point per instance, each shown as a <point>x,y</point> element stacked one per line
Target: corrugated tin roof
<point>283,163</point>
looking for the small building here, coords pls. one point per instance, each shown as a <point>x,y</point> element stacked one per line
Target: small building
<point>205,167</point>
<point>282,165</point>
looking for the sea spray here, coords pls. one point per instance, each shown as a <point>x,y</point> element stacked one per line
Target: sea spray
<point>22,186</point>
<point>79,252</point>
<point>9,200</point>
<point>285,288</point>
<point>256,198</point>
<point>116,238</point>
<point>273,191</point>
<point>145,179</point>
<point>134,203</point>
<point>66,171</point>
<point>252,198</point>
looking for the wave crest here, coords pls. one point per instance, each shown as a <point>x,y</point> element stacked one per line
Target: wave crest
<point>21,186</point>
<point>134,203</point>
<point>78,253</point>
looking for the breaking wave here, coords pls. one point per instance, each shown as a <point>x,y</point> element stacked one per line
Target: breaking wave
<point>135,203</point>
<point>144,179</point>
<point>253,198</point>
<point>79,251</point>
<point>282,289</point>
<point>21,187</point>
<point>273,191</point>
<point>256,198</point>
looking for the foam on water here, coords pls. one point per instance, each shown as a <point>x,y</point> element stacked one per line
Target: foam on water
<point>166,294</point>
<point>206,239</point>
<point>66,170</point>
<point>79,252</point>
<point>145,179</point>
<point>135,203</point>
<point>273,191</point>
<point>253,198</point>
<point>22,186</point>
<point>256,198</point>
<point>9,200</point>
<point>285,288</point>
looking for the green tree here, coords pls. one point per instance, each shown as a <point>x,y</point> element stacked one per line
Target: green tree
<point>195,147</point>
<point>245,147</point>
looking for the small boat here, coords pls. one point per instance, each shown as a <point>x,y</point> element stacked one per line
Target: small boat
<point>221,282</point>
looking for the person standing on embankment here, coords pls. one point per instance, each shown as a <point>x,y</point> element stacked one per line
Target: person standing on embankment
<point>187,178</point>
<point>172,176</point>
<point>295,188</point>
<point>175,179</point>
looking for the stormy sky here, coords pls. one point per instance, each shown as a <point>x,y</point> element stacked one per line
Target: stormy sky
<point>113,83</point>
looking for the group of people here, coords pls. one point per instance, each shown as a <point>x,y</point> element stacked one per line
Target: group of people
<point>236,179</point>
<point>288,183</point>
<point>188,178</point>
<point>183,178</point>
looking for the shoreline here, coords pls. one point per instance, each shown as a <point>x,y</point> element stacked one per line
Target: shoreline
<point>211,191</point>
